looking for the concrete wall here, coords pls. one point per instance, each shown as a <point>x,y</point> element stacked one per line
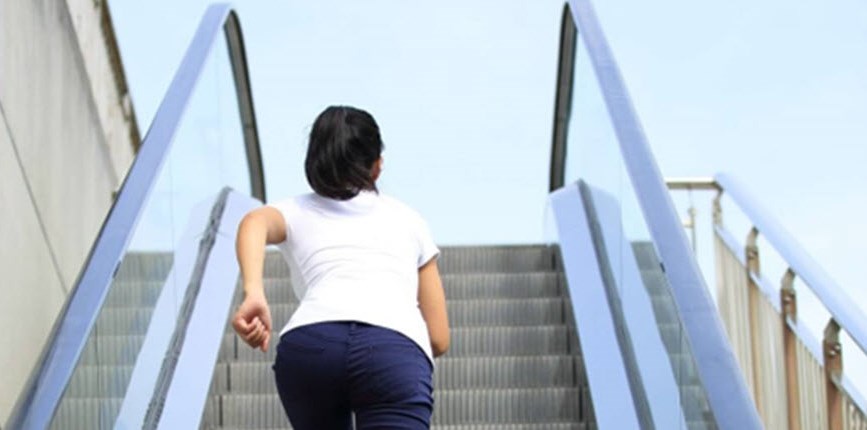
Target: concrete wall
<point>67,137</point>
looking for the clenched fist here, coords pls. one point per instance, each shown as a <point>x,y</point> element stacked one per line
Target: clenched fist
<point>252,321</point>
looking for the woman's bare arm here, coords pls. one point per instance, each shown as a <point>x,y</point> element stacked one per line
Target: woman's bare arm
<point>432,302</point>
<point>258,228</point>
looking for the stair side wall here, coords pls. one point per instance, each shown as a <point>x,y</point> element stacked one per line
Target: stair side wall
<point>67,138</point>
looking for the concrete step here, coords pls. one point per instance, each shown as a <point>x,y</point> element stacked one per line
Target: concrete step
<point>508,406</point>
<point>145,266</point>
<point>465,259</point>
<point>498,259</point>
<point>693,398</point>
<point>450,374</point>
<point>86,413</point>
<point>526,285</point>
<point>534,426</point>
<point>462,313</point>
<point>99,381</point>
<point>512,364</point>
<point>111,350</point>
<point>134,293</point>
<point>538,284</point>
<point>123,321</point>
<point>465,342</point>
<point>508,312</point>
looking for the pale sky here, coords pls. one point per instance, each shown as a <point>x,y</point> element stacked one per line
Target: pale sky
<point>773,92</point>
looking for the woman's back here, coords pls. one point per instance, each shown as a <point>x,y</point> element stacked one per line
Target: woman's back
<point>356,260</point>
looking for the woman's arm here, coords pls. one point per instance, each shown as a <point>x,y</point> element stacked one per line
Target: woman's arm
<point>258,228</point>
<point>432,302</point>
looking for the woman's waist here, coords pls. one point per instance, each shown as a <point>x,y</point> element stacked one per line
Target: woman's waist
<point>358,309</point>
<point>347,292</point>
<point>404,319</point>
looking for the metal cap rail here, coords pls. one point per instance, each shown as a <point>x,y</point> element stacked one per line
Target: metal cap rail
<point>833,297</point>
<point>844,406</point>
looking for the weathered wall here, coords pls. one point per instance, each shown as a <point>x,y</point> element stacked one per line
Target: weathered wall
<point>67,135</point>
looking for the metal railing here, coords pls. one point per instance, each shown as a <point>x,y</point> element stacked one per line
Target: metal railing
<point>42,394</point>
<point>843,406</point>
<point>727,393</point>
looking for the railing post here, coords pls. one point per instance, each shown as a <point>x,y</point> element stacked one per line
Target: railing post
<point>833,354</point>
<point>789,305</point>
<point>691,212</point>
<point>752,252</point>
<point>753,297</point>
<point>717,209</point>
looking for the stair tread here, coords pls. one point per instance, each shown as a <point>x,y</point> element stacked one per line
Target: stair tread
<point>450,373</point>
<point>454,407</point>
<point>513,362</point>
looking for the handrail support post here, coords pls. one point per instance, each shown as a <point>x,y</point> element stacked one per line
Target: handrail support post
<point>692,227</point>
<point>833,354</point>
<point>789,307</point>
<point>752,252</point>
<point>717,209</point>
<point>754,315</point>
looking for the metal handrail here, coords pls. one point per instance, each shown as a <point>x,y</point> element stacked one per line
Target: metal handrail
<point>563,99</point>
<point>697,183</point>
<point>832,296</point>
<point>771,294</point>
<point>39,400</point>
<point>717,367</point>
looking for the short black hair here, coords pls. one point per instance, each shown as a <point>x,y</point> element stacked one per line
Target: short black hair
<point>344,145</point>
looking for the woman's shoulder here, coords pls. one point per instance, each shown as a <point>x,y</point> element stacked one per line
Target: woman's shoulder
<point>292,203</point>
<point>401,208</point>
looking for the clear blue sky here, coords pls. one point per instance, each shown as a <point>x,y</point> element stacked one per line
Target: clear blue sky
<point>774,92</point>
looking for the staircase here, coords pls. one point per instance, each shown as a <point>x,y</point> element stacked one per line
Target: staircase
<point>693,399</point>
<point>514,361</point>
<point>95,393</point>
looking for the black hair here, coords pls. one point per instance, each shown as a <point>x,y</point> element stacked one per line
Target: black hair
<point>344,145</point>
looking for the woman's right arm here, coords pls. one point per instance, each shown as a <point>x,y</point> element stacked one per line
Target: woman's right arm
<point>432,302</point>
<point>258,228</point>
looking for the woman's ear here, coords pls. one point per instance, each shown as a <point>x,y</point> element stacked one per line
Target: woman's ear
<point>376,170</point>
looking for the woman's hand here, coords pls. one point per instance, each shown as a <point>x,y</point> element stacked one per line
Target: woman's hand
<point>259,227</point>
<point>252,321</point>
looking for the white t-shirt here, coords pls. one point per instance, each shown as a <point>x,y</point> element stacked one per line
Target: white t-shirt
<point>357,260</point>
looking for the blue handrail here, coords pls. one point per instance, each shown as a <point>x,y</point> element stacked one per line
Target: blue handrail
<point>838,303</point>
<point>717,367</point>
<point>42,394</point>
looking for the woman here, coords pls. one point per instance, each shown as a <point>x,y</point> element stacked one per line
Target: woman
<point>372,313</point>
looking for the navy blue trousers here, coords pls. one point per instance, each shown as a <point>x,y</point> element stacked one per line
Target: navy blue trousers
<point>326,371</point>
